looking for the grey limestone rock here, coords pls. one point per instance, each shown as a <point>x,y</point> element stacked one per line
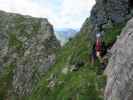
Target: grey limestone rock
<point>30,45</point>
<point>120,68</point>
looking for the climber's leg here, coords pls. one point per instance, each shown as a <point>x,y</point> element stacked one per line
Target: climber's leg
<point>99,56</point>
<point>93,57</point>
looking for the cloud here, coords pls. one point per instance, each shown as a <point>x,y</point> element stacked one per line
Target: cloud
<point>61,13</point>
<point>73,12</point>
<point>26,7</point>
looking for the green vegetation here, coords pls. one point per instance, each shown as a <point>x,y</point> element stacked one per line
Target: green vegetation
<point>87,83</point>
<point>5,80</point>
<point>14,42</point>
<point>112,33</point>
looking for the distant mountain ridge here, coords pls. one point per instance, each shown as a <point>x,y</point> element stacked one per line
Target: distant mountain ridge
<point>64,34</point>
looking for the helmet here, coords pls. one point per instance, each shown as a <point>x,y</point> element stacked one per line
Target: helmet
<point>98,35</point>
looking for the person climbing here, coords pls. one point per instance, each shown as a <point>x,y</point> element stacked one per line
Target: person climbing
<point>96,49</point>
<point>99,50</point>
<point>98,46</point>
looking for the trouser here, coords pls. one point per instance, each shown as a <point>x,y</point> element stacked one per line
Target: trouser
<point>98,54</point>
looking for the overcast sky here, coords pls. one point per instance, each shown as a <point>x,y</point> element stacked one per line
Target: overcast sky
<point>60,13</point>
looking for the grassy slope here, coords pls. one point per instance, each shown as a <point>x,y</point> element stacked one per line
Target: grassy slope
<point>85,84</point>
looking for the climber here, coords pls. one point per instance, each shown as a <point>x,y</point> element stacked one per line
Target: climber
<point>98,46</point>
<point>99,49</point>
<point>96,50</point>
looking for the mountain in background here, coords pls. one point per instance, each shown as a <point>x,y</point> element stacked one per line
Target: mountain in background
<point>64,34</point>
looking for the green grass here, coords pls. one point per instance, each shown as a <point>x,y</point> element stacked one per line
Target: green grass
<point>112,33</point>
<point>6,80</point>
<point>84,84</point>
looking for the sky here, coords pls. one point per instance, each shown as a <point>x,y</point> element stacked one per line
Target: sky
<point>60,13</point>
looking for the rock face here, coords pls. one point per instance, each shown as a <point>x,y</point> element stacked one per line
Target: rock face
<point>106,13</point>
<point>116,11</point>
<point>87,29</point>
<point>28,44</point>
<point>120,68</point>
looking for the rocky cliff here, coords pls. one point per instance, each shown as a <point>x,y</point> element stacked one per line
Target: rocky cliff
<point>110,16</point>
<point>114,11</point>
<point>120,67</point>
<point>107,13</point>
<point>27,50</point>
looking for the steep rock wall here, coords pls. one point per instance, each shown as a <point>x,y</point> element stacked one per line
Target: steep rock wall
<point>29,45</point>
<point>107,13</point>
<point>116,11</point>
<point>120,68</point>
